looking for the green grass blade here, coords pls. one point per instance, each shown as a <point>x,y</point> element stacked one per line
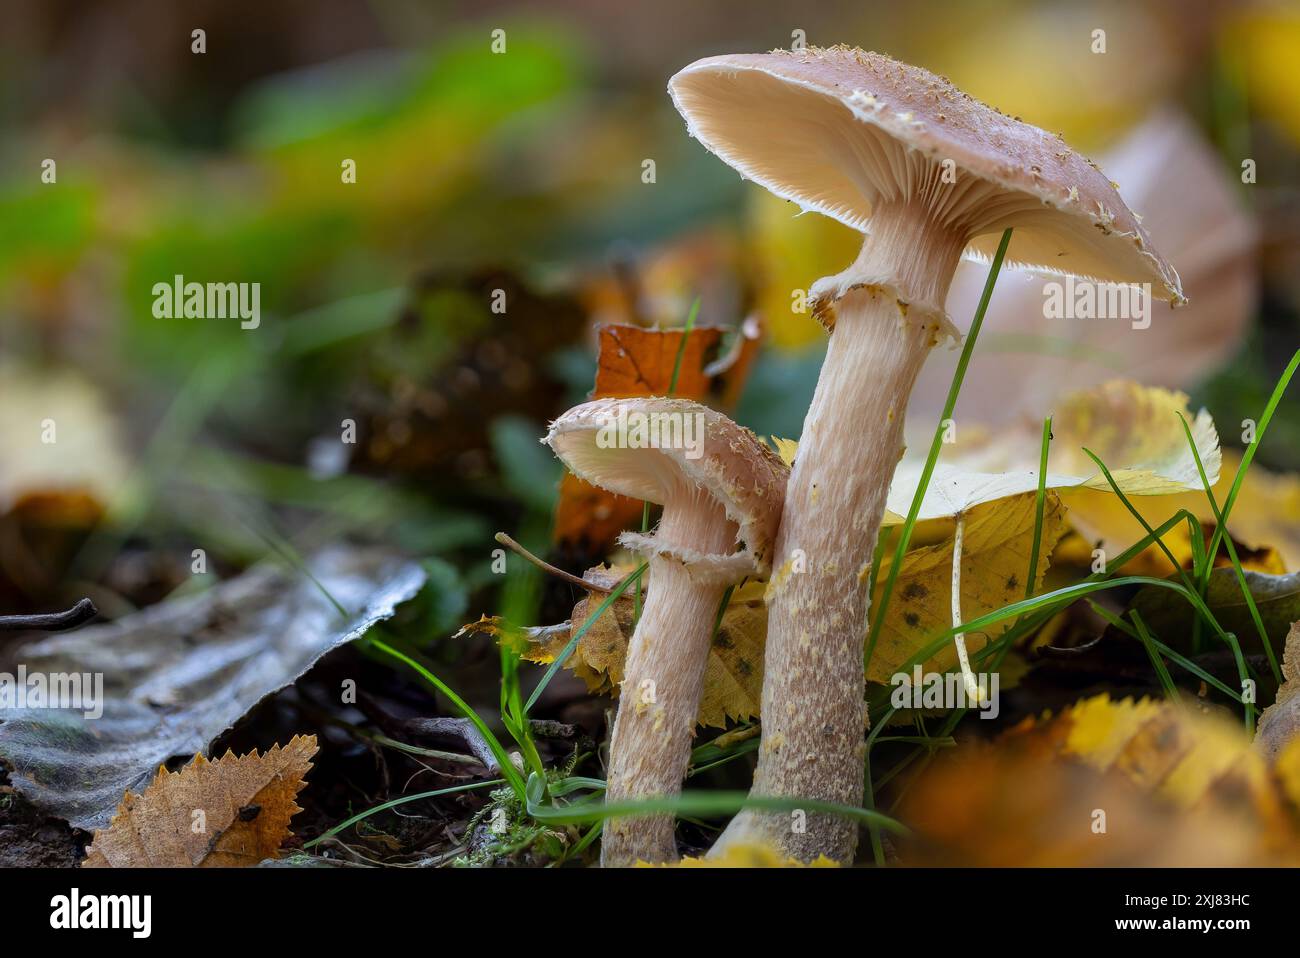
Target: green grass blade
<point>877,616</point>
<point>1196,670</point>
<point>1040,502</point>
<point>1232,557</point>
<point>704,804</point>
<point>1159,540</point>
<point>1162,672</point>
<point>681,347</point>
<point>1249,456</point>
<point>632,577</point>
<point>508,769</point>
<point>405,799</point>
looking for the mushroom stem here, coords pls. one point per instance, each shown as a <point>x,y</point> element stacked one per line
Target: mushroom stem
<point>813,708</point>
<point>663,678</point>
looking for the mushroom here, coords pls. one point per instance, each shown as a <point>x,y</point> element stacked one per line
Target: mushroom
<point>719,486</point>
<point>927,173</point>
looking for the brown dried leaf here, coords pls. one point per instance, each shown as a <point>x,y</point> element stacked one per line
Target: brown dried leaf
<point>231,812</point>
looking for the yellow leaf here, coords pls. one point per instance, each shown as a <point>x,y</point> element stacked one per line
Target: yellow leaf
<point>1180,755</point>
<point>1266,516</point>
<point>996,545</point>
<point>733,674</point>
<point>1100,728</point>
<point>1263,42</point>
<point>1287,769</point>
<point>231,812</point>
<point>786,449</point>
<point>793,252</point>
<point>1267,511</point>
<point>748,855</point>
<point>1107,783</point>
<point>1133,429</point>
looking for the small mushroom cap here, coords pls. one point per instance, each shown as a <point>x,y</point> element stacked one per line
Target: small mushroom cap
<point>839,130</point>
<point>699,450</point>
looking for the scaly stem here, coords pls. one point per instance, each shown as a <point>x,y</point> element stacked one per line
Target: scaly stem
<point>659,702</point>
<point>812,708</point>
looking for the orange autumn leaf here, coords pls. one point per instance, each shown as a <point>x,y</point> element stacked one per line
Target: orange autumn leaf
<point>589,519</point>
<point>639,362</point>
<point>634,361</point>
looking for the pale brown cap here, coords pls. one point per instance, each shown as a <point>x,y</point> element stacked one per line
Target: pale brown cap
<point>837,130</point>
<point>710,454</point>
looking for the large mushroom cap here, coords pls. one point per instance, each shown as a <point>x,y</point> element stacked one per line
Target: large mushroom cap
<point>840,130</point>
<point>710,455</point>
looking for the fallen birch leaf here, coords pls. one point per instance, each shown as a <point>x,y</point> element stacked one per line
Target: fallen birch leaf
<point>1266,516</point>
<point>996,547</point>
<point>1133,429</point>
<point>233,812</point>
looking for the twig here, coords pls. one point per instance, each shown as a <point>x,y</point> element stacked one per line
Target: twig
<point>457,729</point>
<point>79,614</point>
<point>378,738</point>
<point>1047,650</point>
<point>545,566</point>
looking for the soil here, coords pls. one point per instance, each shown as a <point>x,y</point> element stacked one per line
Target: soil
<point>29,839</point>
